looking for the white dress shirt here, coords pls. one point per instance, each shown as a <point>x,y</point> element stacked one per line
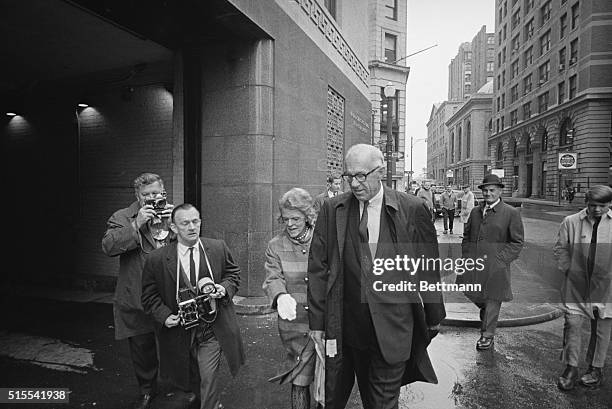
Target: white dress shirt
<point>374,209</point>
<point>183,254</point>
<point>489,207</point>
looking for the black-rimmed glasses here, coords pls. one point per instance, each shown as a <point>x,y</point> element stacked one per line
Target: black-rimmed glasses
<point>360,177</point>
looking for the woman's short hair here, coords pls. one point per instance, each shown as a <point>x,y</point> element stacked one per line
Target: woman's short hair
<point>298,199</point>
<point>599,193</point>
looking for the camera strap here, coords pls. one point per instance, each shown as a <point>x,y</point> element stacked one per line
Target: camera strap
<point>178,272</point>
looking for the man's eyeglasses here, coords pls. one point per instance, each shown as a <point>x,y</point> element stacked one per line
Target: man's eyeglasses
<point>360,177</point>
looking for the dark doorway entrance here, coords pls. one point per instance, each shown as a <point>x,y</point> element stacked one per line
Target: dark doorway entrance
<point>543,180</point>
<point>529,179</point>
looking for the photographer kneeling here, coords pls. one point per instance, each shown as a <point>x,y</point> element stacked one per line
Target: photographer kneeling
<point>188,288</point>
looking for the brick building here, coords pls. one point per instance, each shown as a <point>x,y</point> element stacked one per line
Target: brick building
<point>552,94</point>
<point>438,141</point>
<point>387,21</point>
<point>232,102</point>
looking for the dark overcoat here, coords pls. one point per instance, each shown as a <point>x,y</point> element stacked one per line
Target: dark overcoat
<point>414,235</point>
<point>159,300</point>
<point>131,245</point>
<point>498,239</point>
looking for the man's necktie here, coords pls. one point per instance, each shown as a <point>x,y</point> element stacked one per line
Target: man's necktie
<point>593,247</point>
<point>363,224</point>
<point>192,267</point>
<point>486,209</point>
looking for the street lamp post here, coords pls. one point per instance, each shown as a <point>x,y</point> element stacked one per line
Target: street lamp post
<point>389,93</point>
<point>411,146</point>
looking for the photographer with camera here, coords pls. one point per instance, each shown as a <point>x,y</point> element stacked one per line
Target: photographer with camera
<point>132,233</point>
<point>188,288</point>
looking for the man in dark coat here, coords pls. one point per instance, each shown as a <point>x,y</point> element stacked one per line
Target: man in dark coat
<point>180,267</point>
<point>493,232</point>
<point>129,235</point>
<point>333,189</point>
<point>367,329</point>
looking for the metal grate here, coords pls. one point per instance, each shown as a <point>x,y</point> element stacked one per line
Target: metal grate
<point>335,131</point>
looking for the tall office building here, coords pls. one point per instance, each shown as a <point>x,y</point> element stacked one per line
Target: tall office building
<point>552,95</point>
<point>387,65</point>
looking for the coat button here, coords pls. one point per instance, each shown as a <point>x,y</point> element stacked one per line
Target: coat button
<point>306,307</point>
<point>303,251</point>
<point>306,279</point>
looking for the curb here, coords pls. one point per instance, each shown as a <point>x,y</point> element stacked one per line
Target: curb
<point>508,322</point>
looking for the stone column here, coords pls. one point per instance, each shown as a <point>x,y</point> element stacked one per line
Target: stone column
<point>536,176</point>
<point>508,166</point>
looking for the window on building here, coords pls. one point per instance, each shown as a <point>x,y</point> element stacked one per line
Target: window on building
<point>562,25</point>
<point>467,55</point>
<point>514,93</point>
<point>499,61</point>
<point>459,144</point>
<point>575,15</point>
<point>516,43</point>
<point>528,57</point>
<point>529,30</point>
<point>528,149</point>
<point>498,104</point>
<point>503,126</point>
<point>467,88</point>
<point>566,133</point>
<point>490,66</point>
<point>528,6</point>
<point>513,117</point>
<point>527,84</point>
<point>499,38</point>
<point>504,54</point>
<point>500,151</point>
<point>573,86</point>
<point>544,142</point>
<point>468,77</point>
<point>515,68</point>
<point>468,139</point>
<point>562,58</point>
<point>491,39</point>
<point>561,92</point>
<point>491,125</point>
<point>573,51</point>
<point>390,48</point>
<point>330,5</point>
<point>545,13</point>
<point>504,31</point>
<point>503,75</point>
<point>503,101</point>
<point>501,16</point>
<point>543,102</point>
<point>515,153</point>
<point>544,72</point>
<point>505,8</point>
<point>545,42</point>
<point>516,19</point>
<point>498,82</point>
<point>452,147</point>
<point>497,125</point>
<point>526,111</point>
<point>391,9</point>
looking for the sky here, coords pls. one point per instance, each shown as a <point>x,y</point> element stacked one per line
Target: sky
<point>447,23</point>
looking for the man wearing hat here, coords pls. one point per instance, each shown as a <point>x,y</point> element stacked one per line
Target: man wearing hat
<point>493,232</point>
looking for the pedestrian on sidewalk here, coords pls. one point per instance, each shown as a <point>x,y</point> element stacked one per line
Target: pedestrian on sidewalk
<point>131,234</point>
<point>493,232</point>
<point>190,343</point>
<point>449,202</point>
<point>467,204</point>
<point>285,285</point>
<point>378,336</point>
<point>584,255</point>
<point>427,195</point>
<point>333,189</point>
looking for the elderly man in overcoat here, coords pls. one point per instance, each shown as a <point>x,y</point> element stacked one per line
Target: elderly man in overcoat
<point>376,335</point>
<point>493,232</point>
<point>189,354</point>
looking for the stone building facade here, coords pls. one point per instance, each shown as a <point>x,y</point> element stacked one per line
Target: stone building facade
<point>552,95</point>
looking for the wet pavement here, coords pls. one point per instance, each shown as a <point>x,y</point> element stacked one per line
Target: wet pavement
<point>54,343</point>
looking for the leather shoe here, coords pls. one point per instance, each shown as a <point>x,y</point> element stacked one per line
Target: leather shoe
<point>592,377</point>
<point>567,380</point>
<point>143,402</point>
<point>484,343</point>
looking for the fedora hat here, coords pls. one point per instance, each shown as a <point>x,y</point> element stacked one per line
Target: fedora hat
<point>491,179</point>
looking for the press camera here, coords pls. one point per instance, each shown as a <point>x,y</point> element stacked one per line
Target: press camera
<point>197,308</point>
<point>158,203</point>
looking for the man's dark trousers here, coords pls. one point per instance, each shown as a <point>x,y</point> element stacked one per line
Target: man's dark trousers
<point>143,351</point>
<point>449,217</point>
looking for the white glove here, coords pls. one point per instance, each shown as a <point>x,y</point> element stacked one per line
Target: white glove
<point>286,307</point>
